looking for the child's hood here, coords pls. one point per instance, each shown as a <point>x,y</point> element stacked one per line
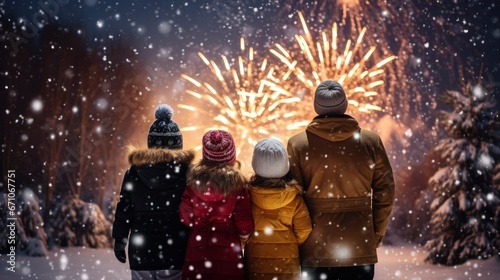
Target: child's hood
<point>214,182</point>
<point>274,196</point>
<point>157,168</point>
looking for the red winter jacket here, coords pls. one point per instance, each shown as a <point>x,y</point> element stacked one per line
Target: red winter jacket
<point>217,207</point>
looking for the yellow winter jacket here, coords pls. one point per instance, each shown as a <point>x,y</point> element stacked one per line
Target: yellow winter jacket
<point>282,223</point>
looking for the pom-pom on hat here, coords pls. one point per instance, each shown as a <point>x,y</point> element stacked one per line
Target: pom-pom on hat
<point>218,147</point>
<point>270,159</point>
<point>164,132</point>
<point>330,99</point>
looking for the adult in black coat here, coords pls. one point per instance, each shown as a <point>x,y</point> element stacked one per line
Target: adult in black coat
<point>147,215</point>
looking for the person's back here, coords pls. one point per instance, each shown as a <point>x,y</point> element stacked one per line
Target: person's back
<point>217,207</point>
<point>349,189</point>
<point>152,191</point>
<point>281,218</point>
<point>148,210</point>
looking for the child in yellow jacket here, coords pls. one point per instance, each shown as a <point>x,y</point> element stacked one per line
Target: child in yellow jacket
<point>280,215</point>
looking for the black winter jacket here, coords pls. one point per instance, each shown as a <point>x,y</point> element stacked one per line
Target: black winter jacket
<point>148,209</point>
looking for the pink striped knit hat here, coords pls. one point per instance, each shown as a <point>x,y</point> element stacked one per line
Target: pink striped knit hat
<point>218,147</point>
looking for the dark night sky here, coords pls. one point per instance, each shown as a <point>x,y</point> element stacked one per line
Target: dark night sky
<point>173,25</point>
<point>167,33</point>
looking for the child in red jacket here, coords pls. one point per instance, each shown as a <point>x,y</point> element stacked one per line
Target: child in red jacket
<point>217,207</point>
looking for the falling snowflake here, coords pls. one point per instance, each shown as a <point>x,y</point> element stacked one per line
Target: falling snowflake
<point>138,240</point>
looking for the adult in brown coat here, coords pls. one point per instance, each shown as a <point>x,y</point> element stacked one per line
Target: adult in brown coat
<point>280,215</point>
<point>349,189</point>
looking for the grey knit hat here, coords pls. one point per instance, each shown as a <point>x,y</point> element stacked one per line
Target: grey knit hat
<point>270,159</point>
<point>164,132</point>
<point>330,99</point>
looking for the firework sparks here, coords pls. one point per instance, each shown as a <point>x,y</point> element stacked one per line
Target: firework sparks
<point>398,27</point>
<point>348,4</point>
<point>351,66</point>
<point>242,97</point>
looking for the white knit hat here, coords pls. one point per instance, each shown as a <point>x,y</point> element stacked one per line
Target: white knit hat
<point>330,99</point>
<point>270,159</point>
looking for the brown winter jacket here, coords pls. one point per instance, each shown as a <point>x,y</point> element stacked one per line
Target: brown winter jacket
<point>282,223</point>
<point>349,191</point>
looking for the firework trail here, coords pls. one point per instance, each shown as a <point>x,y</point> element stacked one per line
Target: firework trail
<point>243,97</point>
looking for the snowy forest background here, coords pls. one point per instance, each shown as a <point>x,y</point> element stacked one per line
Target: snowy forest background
<point>81,85</point>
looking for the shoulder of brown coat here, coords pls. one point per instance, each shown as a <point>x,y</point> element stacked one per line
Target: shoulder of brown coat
<point>297,139</point>
<point>370,137</point>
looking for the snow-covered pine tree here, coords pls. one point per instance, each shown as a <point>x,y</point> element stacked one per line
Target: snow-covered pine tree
<point>31,232</point>
<point>74,222</point>
<point>464,222</point>
<point>30,237</point>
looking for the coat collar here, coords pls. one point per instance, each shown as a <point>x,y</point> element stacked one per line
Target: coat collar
<point>274,193</point>
<point>142,156</point>
<point>334,128</point>
<point>218,179</point>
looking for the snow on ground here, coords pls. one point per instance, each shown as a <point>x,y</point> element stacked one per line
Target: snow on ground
<point>75,263</point>
<point>395,262</point>
<point>407,262</point>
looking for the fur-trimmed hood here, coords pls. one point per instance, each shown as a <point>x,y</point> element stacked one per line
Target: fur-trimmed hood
<point>273,193</point>
<point>214,182</point>
<point>144,156</point>
<point>161,168</point>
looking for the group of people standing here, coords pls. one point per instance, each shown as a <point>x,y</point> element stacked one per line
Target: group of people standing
<point>315,210</point>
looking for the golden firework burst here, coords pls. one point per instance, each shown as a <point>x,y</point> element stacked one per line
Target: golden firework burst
<point>314,61</point>
<point>243,96</point>
<point>394,28</point>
